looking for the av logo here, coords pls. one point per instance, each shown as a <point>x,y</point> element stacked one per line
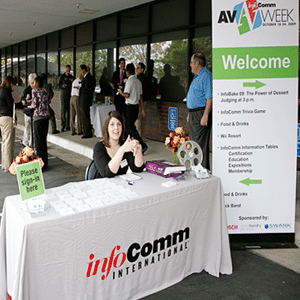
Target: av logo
<point>246,14</point>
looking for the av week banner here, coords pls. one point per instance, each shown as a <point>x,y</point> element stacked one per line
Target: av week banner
<point>255,92</point>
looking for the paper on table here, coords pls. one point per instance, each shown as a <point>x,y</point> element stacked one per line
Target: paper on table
<point>82,207</point>
<point>131,176</point>
<point>66,211</point>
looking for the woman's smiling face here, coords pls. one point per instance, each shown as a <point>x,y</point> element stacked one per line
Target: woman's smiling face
<point>114,129</point>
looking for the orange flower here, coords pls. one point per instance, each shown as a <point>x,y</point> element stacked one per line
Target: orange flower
<point>176,139</point>
<point>171,135</point>
<point>182,140</point>
<point>179,130</point>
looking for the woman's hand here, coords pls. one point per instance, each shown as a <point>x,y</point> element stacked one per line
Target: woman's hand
<point>136,147</point>
<point>127,146</point>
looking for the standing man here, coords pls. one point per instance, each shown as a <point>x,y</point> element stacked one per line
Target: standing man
<point>140,122</point>
<point>118,83</point>
<point>199,104</point>
<point>74,107</point>
<point>65,84</point>
<point>86,92</point>
<point>133,93</point>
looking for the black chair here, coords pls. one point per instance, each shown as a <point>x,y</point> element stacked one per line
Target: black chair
<point>91,171</point>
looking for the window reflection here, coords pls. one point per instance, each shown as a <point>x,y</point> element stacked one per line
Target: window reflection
<point>134,53</point>
<point>170,69</point>
<point>105,61</point>
<point>203,44</point>
<point>67,58</point>
<point>31,63</point>
<point>23,76</point>
<point>2,69</point>
<point>16,71</point>
<point>52,66</point>
<point>84,57</point>
<point>41,63</point>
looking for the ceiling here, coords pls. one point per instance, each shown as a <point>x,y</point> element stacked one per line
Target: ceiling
<point>25,19</point>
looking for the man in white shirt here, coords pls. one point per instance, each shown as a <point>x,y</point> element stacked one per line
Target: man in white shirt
<point>133,94</point>
<point>74,107</point>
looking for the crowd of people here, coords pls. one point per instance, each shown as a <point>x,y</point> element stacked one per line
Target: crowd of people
<point>122,143</point>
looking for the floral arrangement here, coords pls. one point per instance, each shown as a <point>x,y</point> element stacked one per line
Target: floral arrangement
<point>25,156</point>
<point>175,140</point>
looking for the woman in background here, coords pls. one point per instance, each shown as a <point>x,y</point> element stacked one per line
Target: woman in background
<point>113,155</point>
<point>6,121</point>
<point>40,103</point>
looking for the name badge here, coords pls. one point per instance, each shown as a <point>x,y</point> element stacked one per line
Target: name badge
<point>124,163</point>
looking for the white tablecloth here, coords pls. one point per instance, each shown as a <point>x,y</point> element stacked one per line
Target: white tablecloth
<point>146,238</point>
<point>98,114</point>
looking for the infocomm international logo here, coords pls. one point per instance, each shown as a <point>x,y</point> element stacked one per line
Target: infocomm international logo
<point>248,16</point>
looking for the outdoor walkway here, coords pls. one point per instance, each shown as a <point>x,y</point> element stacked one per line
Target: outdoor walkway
<point>258,273</point>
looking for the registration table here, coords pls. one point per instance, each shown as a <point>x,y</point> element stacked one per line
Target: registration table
<point>105,239</point>
<point>98,114</point>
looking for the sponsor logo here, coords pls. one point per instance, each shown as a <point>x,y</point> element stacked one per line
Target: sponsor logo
<point>232,227</point>
<point>251,14</point>
<point>250,227</point>
<point>121,263</point>
<point>278,226</point>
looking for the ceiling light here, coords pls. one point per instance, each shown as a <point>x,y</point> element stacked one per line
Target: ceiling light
<point>88,11</point>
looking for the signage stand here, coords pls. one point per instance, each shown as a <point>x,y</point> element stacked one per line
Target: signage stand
<point>255,105</point>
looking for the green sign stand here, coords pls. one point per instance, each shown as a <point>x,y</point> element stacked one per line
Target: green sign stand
<point>30,180</point>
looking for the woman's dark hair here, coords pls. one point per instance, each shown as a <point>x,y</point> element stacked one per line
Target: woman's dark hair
<point>7,81</point>
<point>109,116</point>
<point>40,82</point>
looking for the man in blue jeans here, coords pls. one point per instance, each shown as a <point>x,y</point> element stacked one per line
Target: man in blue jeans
<point>199,104</point>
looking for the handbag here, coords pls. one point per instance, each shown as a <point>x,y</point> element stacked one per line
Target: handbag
<point>28,111</point>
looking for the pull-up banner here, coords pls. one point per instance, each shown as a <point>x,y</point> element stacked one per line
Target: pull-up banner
<point>255,92</point>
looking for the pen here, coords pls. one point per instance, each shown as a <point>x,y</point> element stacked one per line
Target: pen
<point>129,181</point>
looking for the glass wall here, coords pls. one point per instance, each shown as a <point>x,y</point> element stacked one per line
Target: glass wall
<point>52,67</point>
<point>105,61</point>
<point>41,63</point>
<point>134,50</point>
<point>3,65</point>
<point>67,58</point>
<point>203,43</point>
<point>31,63</point>
<point>23,75</point>
<point>170,56</point>
<point>84,56</point>
<point>156,33</point>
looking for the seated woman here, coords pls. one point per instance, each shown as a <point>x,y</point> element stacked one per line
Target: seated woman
<point>113,155</point>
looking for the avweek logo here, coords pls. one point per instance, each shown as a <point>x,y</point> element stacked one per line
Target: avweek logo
<point>250,15</point>
<point>247,16</point>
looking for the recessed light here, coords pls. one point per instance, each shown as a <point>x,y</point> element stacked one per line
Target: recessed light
<point>88,11</point>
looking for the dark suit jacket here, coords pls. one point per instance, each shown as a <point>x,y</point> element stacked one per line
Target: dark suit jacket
<point>86,91</point>
<point>116,80</point>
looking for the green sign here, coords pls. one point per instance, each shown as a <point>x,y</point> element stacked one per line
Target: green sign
<point>30,180</point>
<point>255,62</point>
